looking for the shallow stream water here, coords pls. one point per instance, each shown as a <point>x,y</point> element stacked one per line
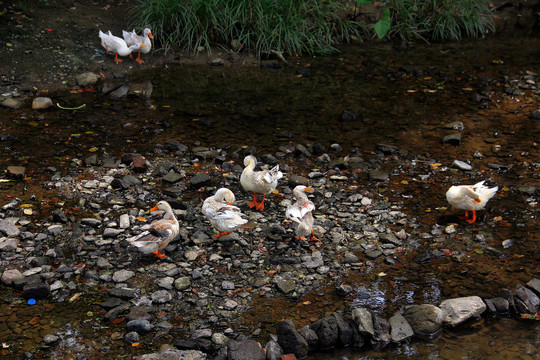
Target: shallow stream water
<point>401,97</point>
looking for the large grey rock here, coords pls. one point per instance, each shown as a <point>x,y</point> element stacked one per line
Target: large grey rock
<point>273,350</point>
<point>87,78</point>
<point>11,103</point>
<point>41,103</point>
<point>327,331</point>
<point>8,228</point>
<point>362,317</point>
<point>534,284</point>
<point>452,139</point>
<point>140,326</point>
<point>346,333</point>
<point>528,297</point>
<point>425,320</point>
<point>310,336</point>
<point>174,354</point>
<point>7,244</point>
<point>456,311</point>
<point>381,338</point>
<point>122,275</point>
<point>399,328</point>
<point>36,291</point>
<point>290,340</point>
<point>245,350</point>
<point>10,276</point>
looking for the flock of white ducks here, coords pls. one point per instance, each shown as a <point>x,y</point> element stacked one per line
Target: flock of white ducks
<point>130,42</point>
<point>226,217</point>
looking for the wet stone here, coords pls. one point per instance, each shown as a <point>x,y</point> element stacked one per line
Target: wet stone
<point>425,320</point>
<point>175,354</point>
<point>8,244</point>
<point>364,321</point>
<point>11,103</point>
<point>381,338</point>
<point>246,350</point>
<point>399,328</point>
<point>87,78</point>
<point>528,297</point>
<point>182,283</point>
<point>201,179</point>
<point>387,149</point>
<point>93,222</point>
<point>111,233</point>
<point>535,114</point>
<point>9,229</point>
<point>172,177</point>
<point>344,290</point>
<point>452,139</point>
<point>140,326</point>
<point>273,350</point>
<point>327,331</point>
<point>527,190</point>
<point>285,285</point>
<point>111,303</point>
<point>534,284</point>
<point>461,165</point>
<point>377,175</point>
<point>132,337</point>
<point>36,291</point>
<point>310,336</point>
<point>456,311</point>
<point>59,216</point>
<point>40,103</point>
<point>10,276</point>
<point>125,294</point>
<point>16,172</point>
<point>290,340</point>
<point>116,312</point>
<point>49,340</point>
<point>161,297</point>
<point>345,330</point>
<point>122,276</point>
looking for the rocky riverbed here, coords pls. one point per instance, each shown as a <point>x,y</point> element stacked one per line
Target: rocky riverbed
<point>389,240</point>
<point>195,296</point>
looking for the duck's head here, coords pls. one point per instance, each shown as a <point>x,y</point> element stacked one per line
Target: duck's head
<point>148,32</point>
<point>305,189</point>
<point>162,205</point>
<point>225,195</point>
<point>250,160</point>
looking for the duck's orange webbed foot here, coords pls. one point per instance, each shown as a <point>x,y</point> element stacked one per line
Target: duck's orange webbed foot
<point>465,217</point>
<point>473,219</point>
<point>138,59</point>
<point>117,59</point>
<point>254,202</point>
<point>312,237</point>
<point>220,234</point>
<point>260,206</point>
<point>159,254</point>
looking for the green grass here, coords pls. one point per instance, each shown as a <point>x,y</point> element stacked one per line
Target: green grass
<point>299,27</point>
<point>291,26</point>
<point>440,19</point>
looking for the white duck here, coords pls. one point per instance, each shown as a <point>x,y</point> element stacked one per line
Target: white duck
<point>470,197</point>
<point>132,38</point>
<point>300,213</point>
<point>263,182</point>
<point>118,45</point>
<point>157,235</point>
<point>222,214</point>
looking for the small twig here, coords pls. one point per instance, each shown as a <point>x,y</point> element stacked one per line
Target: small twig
<point>280,56</point>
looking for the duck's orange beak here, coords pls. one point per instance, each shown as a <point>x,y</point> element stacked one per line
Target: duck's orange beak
<point>154,208</point>
<point>309,190</point>
<point>142,45</point>
<point>229,203</point>
<point>150,35</point>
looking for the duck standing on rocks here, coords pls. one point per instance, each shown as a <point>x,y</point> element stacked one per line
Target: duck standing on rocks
<point>157,235</point>
<point>221,212</point>
<point>132,38</point>
<point>300,213</point>
<point>263,182</point>
<point>118,45</point>
<point>470,197</point>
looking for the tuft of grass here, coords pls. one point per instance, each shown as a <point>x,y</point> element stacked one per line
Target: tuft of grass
<point>440,19</point>
<point>291,26</point>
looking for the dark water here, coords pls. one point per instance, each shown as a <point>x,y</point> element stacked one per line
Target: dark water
<point>399,96</point>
